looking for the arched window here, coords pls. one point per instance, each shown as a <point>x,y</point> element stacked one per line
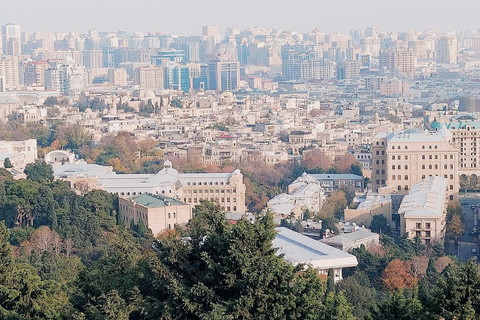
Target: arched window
<point>436,166</point>
<point>430,147</point>
<point>423,166</point>
<point>399,167</point>
<point>430,167</point>
<point>406,167</point>
<point>423,147</point>
<point>393,167</point>
<point>445,167</point>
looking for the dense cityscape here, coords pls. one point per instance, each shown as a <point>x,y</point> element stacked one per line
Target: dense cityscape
<point>239,174</point>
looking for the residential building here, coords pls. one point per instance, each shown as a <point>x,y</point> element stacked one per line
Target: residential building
<point>150,78</point>
<point>118,77</point>
<point>10,72</point>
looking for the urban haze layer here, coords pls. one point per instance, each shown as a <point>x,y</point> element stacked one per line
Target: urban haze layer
<point>246,174</point>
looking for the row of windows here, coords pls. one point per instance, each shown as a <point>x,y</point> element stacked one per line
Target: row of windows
<point>418,225</point>
<point>212,191</point>
<point>195,200</point>
<point>205,183</point>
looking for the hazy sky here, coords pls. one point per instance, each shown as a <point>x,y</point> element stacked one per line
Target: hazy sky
<point>186,17</point>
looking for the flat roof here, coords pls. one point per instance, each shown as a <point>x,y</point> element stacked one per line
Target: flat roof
<point>298,248</point>
<point>155,201</point>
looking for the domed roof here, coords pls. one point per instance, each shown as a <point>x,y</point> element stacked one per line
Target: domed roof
<point>149,94</point>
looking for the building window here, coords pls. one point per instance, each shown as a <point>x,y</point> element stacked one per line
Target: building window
<point>406,167</point>
<point>423,166</point>
<point>406,187</point>
<point>399,187</point>
<point>418,225</point>
<point>423,157</point>
<point>427,225</point>
<point>423,147</point>
<point>393,167</point>
<point>393,157</point>
<point>406,177</point>
<point>399,177</point>
<point>451,176</point>
<point>393,177</point>
<point>445,167</point>
<point>169,215</point>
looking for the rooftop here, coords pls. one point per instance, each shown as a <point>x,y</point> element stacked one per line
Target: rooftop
<point>156,201</point>
<point>426,199</point>
<point>298,248</point>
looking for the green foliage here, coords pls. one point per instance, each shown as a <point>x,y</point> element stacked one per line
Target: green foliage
<point>7,163</point>
<point>380,224</point>
<point>176,103</point>
<point>356,169</point>
<point>39,171</point>
<point>399,305</point>
<point>359,293</point>
<point>225,271</point>
<point>51,101</point>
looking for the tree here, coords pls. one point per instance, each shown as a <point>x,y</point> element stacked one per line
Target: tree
<point>225,271</point>
<point>397,275</point>
<point>336,308</point>
<point>399,305</point>
<point>359,293</point>
<point>316,158</point>
<point>50,101</point>
<point>356,169</point>
<point>455,226</point>
<point>343,164</point>
<point>39,171</point>
<point>457,293</point>
<point>380,224</point>
<point>334,206</point>
<point>7,163</point>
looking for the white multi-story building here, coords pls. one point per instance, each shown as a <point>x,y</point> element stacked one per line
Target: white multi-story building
<point>423,211</point>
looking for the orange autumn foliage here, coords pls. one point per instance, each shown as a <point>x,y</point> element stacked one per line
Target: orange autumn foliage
<point>397,275</point>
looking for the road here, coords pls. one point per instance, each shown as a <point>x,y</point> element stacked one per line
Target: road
<point>467,242</point>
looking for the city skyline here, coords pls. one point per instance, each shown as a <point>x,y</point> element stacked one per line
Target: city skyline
<point>191,16</point>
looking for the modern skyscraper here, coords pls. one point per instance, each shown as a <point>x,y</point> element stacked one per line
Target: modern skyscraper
<point>11,39</point>
<point>446,49</point>
<point>223,74</point>
<point>400,62</point>
<point>10,71</point>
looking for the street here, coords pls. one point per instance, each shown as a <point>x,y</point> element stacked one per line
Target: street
<point>467,243</point>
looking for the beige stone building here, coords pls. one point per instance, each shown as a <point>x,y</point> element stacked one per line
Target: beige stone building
<point>423,211</point>
<point>157,212</point>
<point>227,189</point>
<point>404,158</point>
